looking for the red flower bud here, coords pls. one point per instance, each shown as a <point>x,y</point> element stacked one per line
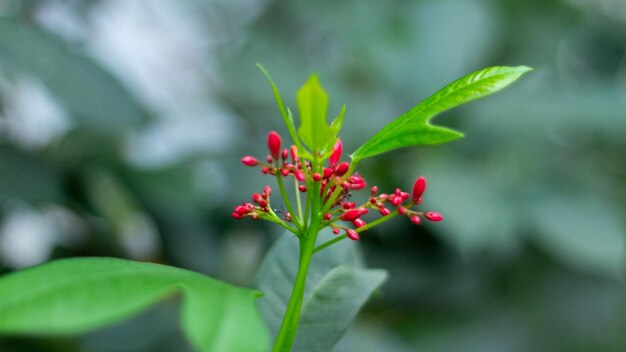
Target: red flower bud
<point>395,200</point>
<point>302,188</point>
<point>249,161</point>
<point>267,191</point>
<point>317,176</point>
<point>374,190</point>
<point>284,172</point>
<point>336,155</point>
<point>418,189</point>
<point>433,216</point>
<point>236,215</point>
<point>327,216</point>
<point>342,169</point>
<point>328,172</point>
<point>294,153</point>
<point>285,154</point>
<point>351,215</point>
<point>357,182</point>
<point>265,170</point>
<point>353,235</point>
<point>363,211</point>
<point>384,211</point>
<point>416,219</point>
<point>258,199</point>
<point>273,144</point>
<point>269,159</point>
<point>404,196</point>
<point>349,205</point>
<point>358,223</point>
<point>242,210</point>
<point>335,231</point>
<point>299,175</point>
<point>401,210</point>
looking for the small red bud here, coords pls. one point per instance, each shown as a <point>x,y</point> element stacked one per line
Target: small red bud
<point>302,188</point>
<point>288,217</point>
<point>342,169</point>
<point>395,200</point>
<point>328,172</point>
<point>269,159</point>
<point>358,223</point>
<point>363,211</point>
<point>397,192</point>
<point>317,176</point>
<point>284,172</point>
<point>348,205</point>
<point>242,210</point>
<point>285,154</point>
<point>299,175</point>
<point>336,155</point>
<point>433,216</point>
<point>265,170</point>
<point>384,211</point>
<point>249,160</point>
<point>257,198</point>
<point>327,216</point>
<point>401,210</point>
<point>418,189</point>
<point>374,190</point>
<point>416,219</point>
<point>353,235</point>
<point>273,144</point>
<point>351,215</point>
<point>236,215</point>
<point>404,196</point>
<point>335,231</point>
<point>357,182</point>
<point>294,153</point>
<point>267,190</point>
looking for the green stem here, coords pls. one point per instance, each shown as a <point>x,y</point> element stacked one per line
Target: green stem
<point>289,326</point>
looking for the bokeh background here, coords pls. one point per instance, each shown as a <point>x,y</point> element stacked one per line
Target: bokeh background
<point>122,124</point>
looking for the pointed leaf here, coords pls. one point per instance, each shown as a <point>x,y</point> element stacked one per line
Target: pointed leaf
<point>335,126</point>
<point>333,305</point>
<point>75,295</point>
<point>313,106</point>
<point>286,114</point>
<point>413,127</point>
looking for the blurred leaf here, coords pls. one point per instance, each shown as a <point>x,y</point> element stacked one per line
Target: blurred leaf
<point>76,295</point>
<point>287,117</point>
<point>333,305</point>
<point>313,106</point>
<point>27,177</point>
<point>278,272</point>
<point>90,93</point>
<point>413,127</point>
<point>583,233</point>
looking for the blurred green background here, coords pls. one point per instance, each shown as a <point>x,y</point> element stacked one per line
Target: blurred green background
<point>122,124</point>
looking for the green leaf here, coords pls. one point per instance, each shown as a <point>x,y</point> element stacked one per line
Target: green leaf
<point>413,127</point>
<point>278,272</point>
<point>313,106</point>
<point>92,95</point>
<point>76,295</point>
<point>333,305</point>
<point>286,114</point>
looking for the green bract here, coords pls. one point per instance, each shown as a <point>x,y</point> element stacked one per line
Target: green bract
<point>413,127</point>
<point>76,295</point>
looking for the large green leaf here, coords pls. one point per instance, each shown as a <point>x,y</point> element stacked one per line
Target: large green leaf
<point>414,128</point>
<point>336,282</point>
<point>313,106</point>
<point>76,295</point>
<point>334,303</point>
<point>90,94</point>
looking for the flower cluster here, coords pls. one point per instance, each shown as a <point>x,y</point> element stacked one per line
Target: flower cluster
<point>335,181</point>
